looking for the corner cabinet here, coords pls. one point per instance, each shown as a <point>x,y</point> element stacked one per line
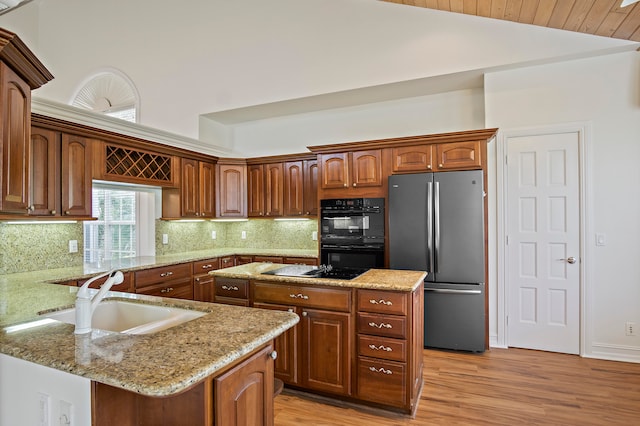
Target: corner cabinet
<point>20,72</point>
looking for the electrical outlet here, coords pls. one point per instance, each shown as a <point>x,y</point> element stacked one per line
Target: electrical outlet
<point>66,413</point>
<point>314,235</point>
<point>73,246</point>
<point>165,239</point>
<point>243,235</point>
<point>630,328</point>
<point>213,235</point>
<point>43,409</point>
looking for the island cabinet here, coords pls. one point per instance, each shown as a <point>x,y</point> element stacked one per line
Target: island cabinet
<point>203,283</point>
<point>166,281</point>
<point>316,353</point>
<point>242,395</point>
<point>389,344</point>
<point>231,291</point>
<point>60,174</point>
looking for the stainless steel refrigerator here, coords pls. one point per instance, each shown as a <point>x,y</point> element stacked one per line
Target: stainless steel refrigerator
<point>436,224</point>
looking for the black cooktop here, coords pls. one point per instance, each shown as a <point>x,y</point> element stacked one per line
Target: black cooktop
<point>323,271</point>
<point>340,273</point>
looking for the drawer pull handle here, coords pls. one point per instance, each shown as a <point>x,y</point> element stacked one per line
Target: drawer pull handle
<point>166,290</point>
<point>381,302</point>
<point>381,348</point>
<point>299,296</point>
<point>234,288</point>
<point>166,274</point>
<point>380,370</point>
<point>209,266</point>
<point>381,325</point>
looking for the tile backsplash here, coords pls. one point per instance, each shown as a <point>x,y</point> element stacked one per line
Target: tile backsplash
<point>31,247</point>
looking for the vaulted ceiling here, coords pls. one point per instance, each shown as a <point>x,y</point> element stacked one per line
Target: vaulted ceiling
<point>600,17</point>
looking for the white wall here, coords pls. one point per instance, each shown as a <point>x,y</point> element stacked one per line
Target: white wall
<point>605,92</point>
<point>444,112</point>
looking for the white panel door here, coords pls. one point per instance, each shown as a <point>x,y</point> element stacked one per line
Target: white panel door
<point>543,242</point>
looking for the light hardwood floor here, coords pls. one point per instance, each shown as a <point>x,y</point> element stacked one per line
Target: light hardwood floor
<point>499,387</point>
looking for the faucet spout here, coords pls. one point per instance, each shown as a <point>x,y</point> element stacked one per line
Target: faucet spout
<point>85,304</point>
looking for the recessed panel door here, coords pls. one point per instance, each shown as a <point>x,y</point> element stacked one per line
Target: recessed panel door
<point>543,223</point>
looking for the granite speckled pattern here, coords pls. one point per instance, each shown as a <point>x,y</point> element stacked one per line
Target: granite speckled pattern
<point>377,279</point>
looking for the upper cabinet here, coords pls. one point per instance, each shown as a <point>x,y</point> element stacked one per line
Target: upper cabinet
<point>355,169</point>
<point>231,193</point>
<point>197,189</point>
<point>20,72</point>
<point>437,157</point>
<point>310,187</point>
<point>265,189</point>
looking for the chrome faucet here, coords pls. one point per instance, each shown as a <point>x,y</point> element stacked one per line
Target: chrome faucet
<point>85,305</point>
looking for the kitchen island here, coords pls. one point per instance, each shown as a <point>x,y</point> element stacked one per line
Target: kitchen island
<point>140,379</point>
<point>359,340</point>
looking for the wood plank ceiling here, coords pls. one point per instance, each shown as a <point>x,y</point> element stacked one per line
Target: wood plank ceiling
<point>600,17</point>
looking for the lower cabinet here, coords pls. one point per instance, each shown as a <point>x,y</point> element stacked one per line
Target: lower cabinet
<point>316,353</point>
<point>231,291</point>
<point>243,395</point>
<point>203,283</point>
<point>166,281</point>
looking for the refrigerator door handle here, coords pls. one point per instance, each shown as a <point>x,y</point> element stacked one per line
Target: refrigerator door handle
<point>436,225</point>
<point>451,291</point>
<point>430,227</point>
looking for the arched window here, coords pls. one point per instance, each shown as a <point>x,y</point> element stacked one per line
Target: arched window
<point>109,93</point>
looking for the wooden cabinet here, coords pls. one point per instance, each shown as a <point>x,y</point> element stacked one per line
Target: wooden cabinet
<point>459,155</point>
<point>166,281</point>
<point>60,174</point>
<point>294,188</point>
<point>231,184</point>
<point>243,259</point>
<point>241,395</point>
<point>389,344</point>
<point>203,283</point>
<point>351,169</point>
<point>265,190</point>
<point>271,259</point>
<point>197,188</point>
<point>316,353</point>
<point>75,176</point>
<point>231,291</point>
<point>244,394</point>
<point>310,187</point>
<point>15,104</point>
<point>127,285</point>
<point>416,158</point>
<point>301,260</point>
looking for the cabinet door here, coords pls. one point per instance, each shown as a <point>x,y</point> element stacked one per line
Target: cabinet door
<point>189,187</point>
<point>45,172</point>
<point>15,104</point>
<point>366,168</point>
<point>293,188</point>
<point>76,176</point>
<point>417,158</point>
<point>207,193</point>
<point>273,189</point>
<point>326,351</point>
<point>244,394</point>
<point>286,345</point>
<point>203,288</point>
<point>231,197</point>
<point>255,190</point>
<point>459,155</point>
<point>335,170</point>
<point>310,191</point>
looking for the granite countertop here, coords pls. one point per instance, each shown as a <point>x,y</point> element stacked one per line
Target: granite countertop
<point>158,364</point>
<point>376,279</point>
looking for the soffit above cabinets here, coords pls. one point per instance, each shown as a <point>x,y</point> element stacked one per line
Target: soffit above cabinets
<point>599,17</point>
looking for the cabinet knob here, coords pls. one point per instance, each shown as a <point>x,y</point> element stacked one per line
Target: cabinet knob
<point>30,209</point>
<point>197,214</point>
<point>308,213</point>
<point>53,212</point>
<point>166,290</point>
<point>273,355</point>
<point>345,185</point>
<point>290,309</point>
<point>440,165</point>
<point>261,213</point>
<point>197,280</point>
<point>354,184</point>
<point>429,166</point>
<point>67,212</point>
<point>304,314</point>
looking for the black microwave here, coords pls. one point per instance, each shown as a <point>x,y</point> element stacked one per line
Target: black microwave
<point>352,221</point>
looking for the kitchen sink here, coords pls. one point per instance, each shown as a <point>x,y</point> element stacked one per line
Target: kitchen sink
<point>130,317</point>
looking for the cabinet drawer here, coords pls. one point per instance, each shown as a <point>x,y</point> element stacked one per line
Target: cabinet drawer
<point>154,276</point>
<point>382,347</point>
<point>126,285</point>
<point>382,381</point>
<point>231,301</point>
<point>312,297</point>
<point>383,302</point>
<point>204,266</point>
<point>177,289</point>
<point>382,325</point>
<point>229,287</point>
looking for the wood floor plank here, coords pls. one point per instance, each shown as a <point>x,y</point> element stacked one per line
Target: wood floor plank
<point>499,387</point>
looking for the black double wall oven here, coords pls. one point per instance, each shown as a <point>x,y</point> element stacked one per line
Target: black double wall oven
<point>352,233</point>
